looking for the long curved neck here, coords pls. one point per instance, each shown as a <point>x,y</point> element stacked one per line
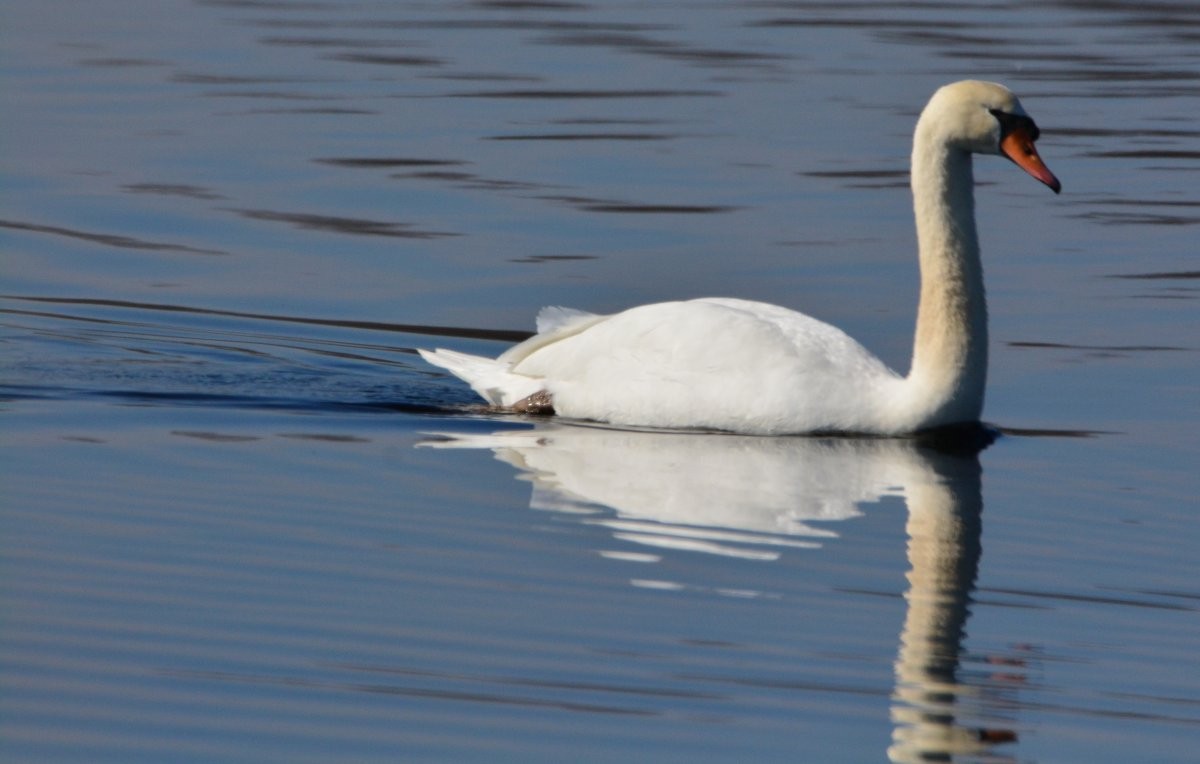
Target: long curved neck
<point>949,365</point>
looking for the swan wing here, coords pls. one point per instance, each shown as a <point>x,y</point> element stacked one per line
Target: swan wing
<point>554,325</point>
<point>554,318</point>
<point>710,363</point>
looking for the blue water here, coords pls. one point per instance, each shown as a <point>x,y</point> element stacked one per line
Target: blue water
<point>242,521</point>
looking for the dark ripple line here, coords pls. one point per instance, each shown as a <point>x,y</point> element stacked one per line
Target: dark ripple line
<point>1157,275</point>
<point>1148,202</point>
<point>659,209</point>
<point>619,689</point>
<point>172,189</point>
<point>530,5</point>
<point>584,137</point>
<point>1100,132</point>
<point>330,42</point>
<point>215,437</point>
<point>1036,432</point>
<point>1154,698</point>
<point>353,226</point>
<point>107,239</point>
<point>404,691</point>
<point>482,77</point>
<point>9,393</point>
<point>1144,154</point>
<point>1138,218</point>
<point>269,95</point>
<point>327,110</point>
<point>854,23</point>
<point>502,335</point>
<point>1161,593</point>
<point>582,94</point>
<point>857,174</point>
<point>926,37</point>
<point>466,180</point>
<point>117,62</point>
<point>379,59</point>
<point>387,162</point>
<point>274,5</point>
<point>56,316</point>
<point>1104,348</point>
<point>551,258</point>
<point>1103,713</point>
<point>608,205</point>
<point>519,24</point>
<point>787,684</point>
<point>642,44</point>
<point>1089,598</point>
<point>202,78</point>
<point>256,403</point>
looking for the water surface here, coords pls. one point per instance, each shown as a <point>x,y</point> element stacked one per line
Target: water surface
<point>241,520</point>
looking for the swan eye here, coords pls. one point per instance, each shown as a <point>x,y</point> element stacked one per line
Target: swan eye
<point>1012,123</point>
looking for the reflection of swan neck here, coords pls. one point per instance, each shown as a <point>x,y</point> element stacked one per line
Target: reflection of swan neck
<point>949,367</point>
<point>943,552</point>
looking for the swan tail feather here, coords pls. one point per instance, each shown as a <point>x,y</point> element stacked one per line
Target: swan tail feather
<point>491,378</point>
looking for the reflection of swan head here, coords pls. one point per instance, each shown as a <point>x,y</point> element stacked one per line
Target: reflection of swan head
<point>742,495</point>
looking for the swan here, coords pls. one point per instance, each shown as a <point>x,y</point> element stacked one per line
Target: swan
<point>754,368</point>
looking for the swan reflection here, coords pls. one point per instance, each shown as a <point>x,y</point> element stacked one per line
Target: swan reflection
<point>754,498</point>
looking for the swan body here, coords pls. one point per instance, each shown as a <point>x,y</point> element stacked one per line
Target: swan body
<point>755,368</point>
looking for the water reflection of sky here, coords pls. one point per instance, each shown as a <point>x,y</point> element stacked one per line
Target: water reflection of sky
<point>244,114</point>
<point>226,225</point>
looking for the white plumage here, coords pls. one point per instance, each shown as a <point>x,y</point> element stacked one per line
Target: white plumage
<point>751,367</point>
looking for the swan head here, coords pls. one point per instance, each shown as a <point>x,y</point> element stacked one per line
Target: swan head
<point>986,118</point>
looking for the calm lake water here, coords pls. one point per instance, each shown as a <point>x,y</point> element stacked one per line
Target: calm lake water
<point>242,521</point>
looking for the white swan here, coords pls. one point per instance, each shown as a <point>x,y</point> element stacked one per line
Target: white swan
<point>754,368</point>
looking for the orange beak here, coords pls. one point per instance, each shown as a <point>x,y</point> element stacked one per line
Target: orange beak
<point>1018,146</point>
